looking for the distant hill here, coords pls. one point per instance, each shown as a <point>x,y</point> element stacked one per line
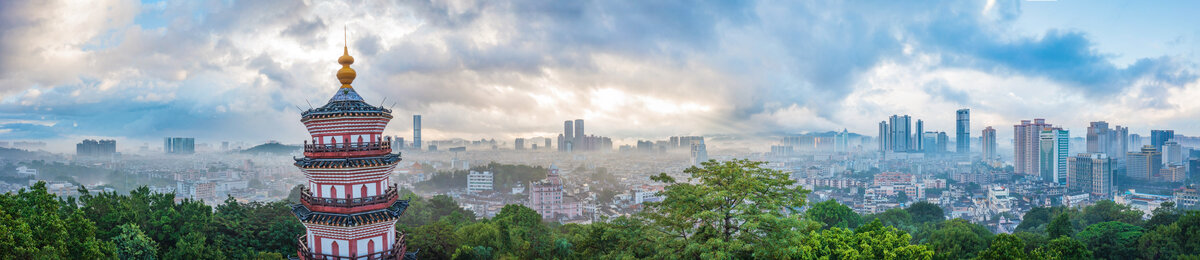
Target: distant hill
<point>273,148</point>
<point>13,154</point>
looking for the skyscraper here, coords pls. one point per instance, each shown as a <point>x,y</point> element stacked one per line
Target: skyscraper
<point>100,148</point>
<point>417,132</point>
<point>1120,142</point>
<point>1097,133</point>
<point>519,144</point>
<point>699,153</point>
<point>988,141</point>
<point>962,138</point>
<point>920,144</point>
<point>1160,137</point>
<point>900,133</point>
<point>568,136</point>
<point>1091,173</point>
<point>884,139</point>
<point>1135,142</point>
<point>1144,164</point>
<point>580,143</point>
<point>1053,152</point>
<point>1101,139</point>
<point>935,143</point>
<point>1026,145</point>
<point>179,145</point>
<point>1172,153</point>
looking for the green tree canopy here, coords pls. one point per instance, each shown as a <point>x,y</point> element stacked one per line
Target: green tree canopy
<point>726,209</point>
<point>1107,210</point>
<point>1005,246</point>
<point>1111,240</point>
<point>133,244</point>
<point>959,239</point>
<point>925,212</point>
<point>1061,226</point>
<point>1064,248</point>
<point>833,214</point>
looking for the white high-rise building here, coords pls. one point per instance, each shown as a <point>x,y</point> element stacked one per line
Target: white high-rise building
<point>1172,153</point>
<point>699,153</point>
<point>478,181</point>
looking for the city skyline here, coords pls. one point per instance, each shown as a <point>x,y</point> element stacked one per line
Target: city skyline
<point>138,72</point>
<point>452,129</point>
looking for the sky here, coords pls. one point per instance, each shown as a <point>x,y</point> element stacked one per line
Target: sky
<point>241,70</point>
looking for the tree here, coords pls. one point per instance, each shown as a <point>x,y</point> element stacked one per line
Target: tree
<point>1107,210</point>
<point>725,209</point>
<point>925,212</point>
<point>1188,236</point>
<point>522,232</point>
<point>1061,226</point>
<point>436,240</point>
<point>892,217</point>
<point>958,239</point>
<point>1038,218</point>
<point>1111,240</point>
<point>294,194</point>
<point>1032,240</point>
<point>1005,246</point>
<point>871,241</point>
<point>479,234</point>
<point>1165,214</point>
<point>193,246</point>
<point>833,214</point>
<point>466,252</point>
<point>132,243</point>
<point>1064,248</point>
<point>1160,243</point>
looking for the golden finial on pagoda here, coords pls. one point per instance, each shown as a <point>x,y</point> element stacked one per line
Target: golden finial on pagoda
<point>346,74</point>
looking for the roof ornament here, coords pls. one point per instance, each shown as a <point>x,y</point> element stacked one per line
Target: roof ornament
<point>346,75</point>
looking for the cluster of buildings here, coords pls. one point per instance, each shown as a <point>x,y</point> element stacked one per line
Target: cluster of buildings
<point>96,148</point>
<point>575,139</point>
<point>897,135</point>
<point>179,145</point>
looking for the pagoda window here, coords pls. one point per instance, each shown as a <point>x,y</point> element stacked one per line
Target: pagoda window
<point>364,191</point>
<point>370,246</point>
<point>360,140</point>
<point>334,249</point>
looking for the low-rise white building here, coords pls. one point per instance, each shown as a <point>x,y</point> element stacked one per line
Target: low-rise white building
<point>1144,202</point>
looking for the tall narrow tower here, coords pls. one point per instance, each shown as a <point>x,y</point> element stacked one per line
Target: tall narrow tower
<point>348,207</point>
<point>962,133</point>
<point>417,132</point>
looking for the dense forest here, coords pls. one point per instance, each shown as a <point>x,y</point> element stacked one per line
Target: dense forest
<point>724,210</point>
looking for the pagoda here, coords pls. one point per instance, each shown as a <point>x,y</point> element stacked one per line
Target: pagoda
<point>348,206</point>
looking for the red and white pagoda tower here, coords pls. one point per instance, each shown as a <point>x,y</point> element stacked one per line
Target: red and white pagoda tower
<point>348,207</point>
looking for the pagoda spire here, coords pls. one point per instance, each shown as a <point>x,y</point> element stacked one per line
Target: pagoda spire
<point>346,75</point>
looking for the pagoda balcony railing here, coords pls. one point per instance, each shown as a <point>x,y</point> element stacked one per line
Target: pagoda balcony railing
<point>349,204</point>
<point>347,149</point>
<point>397,251</point>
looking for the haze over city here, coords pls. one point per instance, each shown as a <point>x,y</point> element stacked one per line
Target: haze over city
<point>461,129</point>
